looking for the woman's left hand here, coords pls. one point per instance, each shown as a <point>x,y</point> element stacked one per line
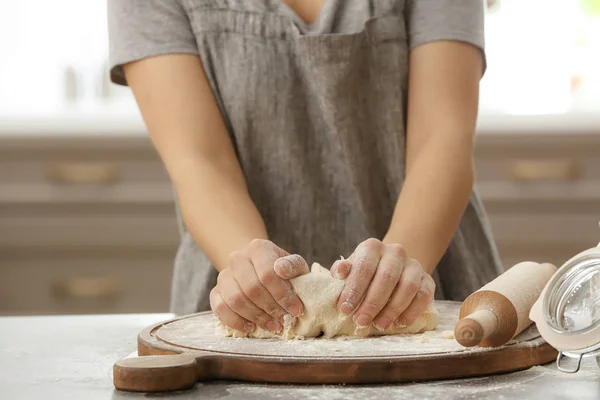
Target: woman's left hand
<point>385,285</point>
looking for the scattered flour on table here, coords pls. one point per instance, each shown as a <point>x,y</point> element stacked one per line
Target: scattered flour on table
<point>468,388</point>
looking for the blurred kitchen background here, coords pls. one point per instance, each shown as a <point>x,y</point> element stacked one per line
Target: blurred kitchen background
<point>86,208</point>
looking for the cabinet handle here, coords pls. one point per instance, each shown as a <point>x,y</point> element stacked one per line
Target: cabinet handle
<point>83,172</point>
<point>107,288</point>
<point>545,170</point>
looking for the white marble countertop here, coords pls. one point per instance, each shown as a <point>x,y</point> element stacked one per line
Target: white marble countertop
<point>122,118</point>
<point>71,357</point>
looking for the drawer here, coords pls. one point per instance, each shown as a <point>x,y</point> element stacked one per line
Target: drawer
<point>545,230</point>
<point>540,179</point>
<point>117,193</point>
<point>68,283</point>
<point>527,169</point>
<point>543,168</point>
<point>74,231</point>
<point>557,255</point>
<point>73,170</point>
<point>83,181</point>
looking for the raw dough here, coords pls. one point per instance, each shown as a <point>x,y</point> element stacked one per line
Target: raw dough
<point>319,293</point>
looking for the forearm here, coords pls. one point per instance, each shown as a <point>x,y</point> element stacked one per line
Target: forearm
<point>433,199</point>
<point>217,209</point>
<point>188,131</point>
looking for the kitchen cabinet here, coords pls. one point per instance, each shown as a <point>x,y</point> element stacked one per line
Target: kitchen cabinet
<point>541,191</point>
<point>87,220</point>
<point>87,225</point>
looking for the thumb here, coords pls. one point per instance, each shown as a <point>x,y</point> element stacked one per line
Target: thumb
<point>290,267</point>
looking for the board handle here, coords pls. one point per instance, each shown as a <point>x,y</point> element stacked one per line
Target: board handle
<point>156,373</point>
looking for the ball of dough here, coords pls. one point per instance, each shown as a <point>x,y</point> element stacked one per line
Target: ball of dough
<point>319,293</point>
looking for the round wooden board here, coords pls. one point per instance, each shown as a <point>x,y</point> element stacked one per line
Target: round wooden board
<point>399,358</point>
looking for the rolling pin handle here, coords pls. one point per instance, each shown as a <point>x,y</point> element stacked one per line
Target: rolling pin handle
<point>476,327</point>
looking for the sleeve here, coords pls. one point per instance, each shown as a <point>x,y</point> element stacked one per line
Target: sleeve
<point>431,20</point>
<point>139,29</point>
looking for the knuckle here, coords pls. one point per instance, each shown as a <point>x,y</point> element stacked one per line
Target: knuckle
<point>390,274</point>
<point>286,300</point>
<point>372,244</point>
<point>254,291</point>
<point>428,286</point>
<point>213,299</point>
<point>220,308</point>
<point>364,269</point>
<point>413,286</point>
<point>427,291</point>
<point>256,244</point>
<point>234,257</point>
<point>267,277</point>
<point>222,276</point>
<point>353,295</point>
<point>398,250</point>
<point>371,308</point>
<point>414,264</point>
<point>276,312</point>
<point>217,305</point>
<point>260,320</point>
<point>236,301</point>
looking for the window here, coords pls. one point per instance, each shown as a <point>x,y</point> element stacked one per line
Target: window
<point>543,57</point>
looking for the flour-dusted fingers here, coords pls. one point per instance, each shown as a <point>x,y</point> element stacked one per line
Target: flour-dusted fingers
<point>404,293</point>
<point>383,284</point>
<point>364,263</point>
<point>420,302</point>
<point>341,269</point>
<point>247,280</point>
<point>290,267</point>
<point>226,315</point>
<point>263,255</point>
<point>237,301</point>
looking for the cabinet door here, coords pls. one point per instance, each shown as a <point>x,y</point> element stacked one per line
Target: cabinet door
<point>85,282</point>
<point>541,192</point>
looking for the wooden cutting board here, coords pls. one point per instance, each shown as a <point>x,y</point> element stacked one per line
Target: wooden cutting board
<point>188,349</point>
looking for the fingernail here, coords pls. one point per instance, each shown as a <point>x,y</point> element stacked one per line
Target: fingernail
<point>363,320</point>
<point>401,322</point>
<point>295,310</point>
<point>249,327</point>
<point>382,324</point>
<point>273,326</point>
<point>346,308</point>
<point>279,315</point>
<point>283,263</point>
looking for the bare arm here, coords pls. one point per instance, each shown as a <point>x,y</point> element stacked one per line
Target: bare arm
<point>442,110</point>
<point>188,132</point>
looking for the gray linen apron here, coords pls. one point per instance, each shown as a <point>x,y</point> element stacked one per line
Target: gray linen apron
<point>316,113</point>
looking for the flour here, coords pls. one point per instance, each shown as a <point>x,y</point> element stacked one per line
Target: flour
<point>198,332</point>
<point>470,388</point>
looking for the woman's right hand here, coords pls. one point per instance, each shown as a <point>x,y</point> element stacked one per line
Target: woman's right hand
<point>254,290</point>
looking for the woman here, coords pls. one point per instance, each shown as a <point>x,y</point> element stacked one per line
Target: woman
<point>299,131</point>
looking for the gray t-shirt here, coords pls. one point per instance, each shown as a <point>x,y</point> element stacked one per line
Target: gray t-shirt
<point>316,113</point>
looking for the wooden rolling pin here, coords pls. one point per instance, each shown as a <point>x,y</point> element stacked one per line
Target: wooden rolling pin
<point>499,311</point>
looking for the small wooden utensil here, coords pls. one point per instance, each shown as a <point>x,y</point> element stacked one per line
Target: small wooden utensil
<point>499,311</point>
